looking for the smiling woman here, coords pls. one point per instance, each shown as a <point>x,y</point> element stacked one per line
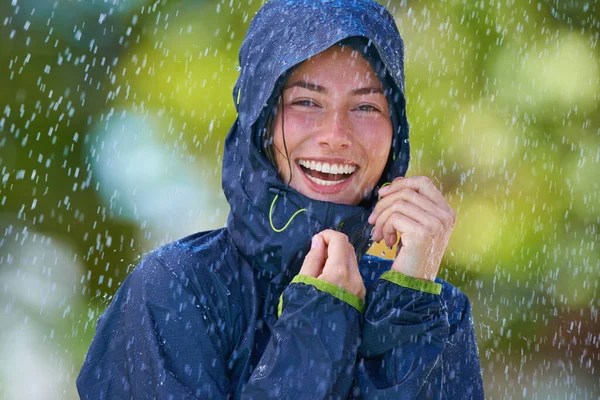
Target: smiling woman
<point>252,311</point>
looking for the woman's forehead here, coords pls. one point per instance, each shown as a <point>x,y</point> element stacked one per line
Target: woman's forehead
<point>337,53</point>
<point>336,63</point>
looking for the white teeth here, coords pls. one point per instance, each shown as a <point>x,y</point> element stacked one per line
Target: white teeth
<point>328,168</point>
<point>323,182</point>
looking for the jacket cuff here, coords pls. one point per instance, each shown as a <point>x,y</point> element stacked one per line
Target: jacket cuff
<point>411,283</point>
<point>327,287</point>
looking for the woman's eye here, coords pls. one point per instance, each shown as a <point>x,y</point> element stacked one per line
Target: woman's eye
<point>305,103</point>
<point>366,108</point>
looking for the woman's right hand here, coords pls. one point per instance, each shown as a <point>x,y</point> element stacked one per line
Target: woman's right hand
<point>332,259</point>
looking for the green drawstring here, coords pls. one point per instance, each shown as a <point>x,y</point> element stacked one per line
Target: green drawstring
<point>288,223</point>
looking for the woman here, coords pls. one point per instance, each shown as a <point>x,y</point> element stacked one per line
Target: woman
<point>283,303</point>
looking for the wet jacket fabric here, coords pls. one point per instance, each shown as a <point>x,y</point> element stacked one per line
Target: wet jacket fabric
<point>224,315</point>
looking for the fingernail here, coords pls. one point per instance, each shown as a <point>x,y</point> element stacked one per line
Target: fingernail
<point>370,220</point>
<point>313,242</point>
<point>384,189</point>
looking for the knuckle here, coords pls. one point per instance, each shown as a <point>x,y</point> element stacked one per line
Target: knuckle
<point>404,193</point>
<point>399,205</point>
<point>448,221</point>
<point>437,226</point>
<point>337,235</point>
<point>452,216</point>
<point>407,193</point>
<point>396,218</point>
<point>424,180</point>
<point>414,195</point>
<point>389,228</point>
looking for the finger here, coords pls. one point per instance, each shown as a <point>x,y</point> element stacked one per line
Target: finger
<point>337,244</point>
<point>413,199</point>
<point>431,223</point>
<point>352,263</point>
<point>315,259</point>
<point>418,200</point>
<point>379,233</point>
<point>402,224</point>
<point>420,267</point>
<point>357,284</point>
<point>421,184</point>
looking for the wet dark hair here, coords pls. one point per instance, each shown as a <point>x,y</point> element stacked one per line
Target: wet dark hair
<point>269,142</point>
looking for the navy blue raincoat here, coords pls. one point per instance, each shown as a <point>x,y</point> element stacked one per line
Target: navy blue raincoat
<point>222,314</point>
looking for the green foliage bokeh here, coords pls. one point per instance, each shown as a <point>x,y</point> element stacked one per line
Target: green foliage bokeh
<point>503,104</point>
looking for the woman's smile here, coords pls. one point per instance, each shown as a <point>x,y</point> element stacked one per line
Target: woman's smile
<point>327,176</point>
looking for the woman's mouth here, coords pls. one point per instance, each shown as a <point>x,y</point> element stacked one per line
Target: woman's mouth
<point>327,175</point>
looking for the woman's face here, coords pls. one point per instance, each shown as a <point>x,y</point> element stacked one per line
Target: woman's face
<point>338,129</point>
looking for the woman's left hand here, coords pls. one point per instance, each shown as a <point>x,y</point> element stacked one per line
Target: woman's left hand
<point>417,210</point>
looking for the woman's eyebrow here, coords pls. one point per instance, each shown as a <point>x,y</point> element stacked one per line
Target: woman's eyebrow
<point>307,85</point>
<point>318,88</point>
<point>367,90</point>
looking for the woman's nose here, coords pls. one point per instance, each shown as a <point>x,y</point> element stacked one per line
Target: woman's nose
<point>336,133</point>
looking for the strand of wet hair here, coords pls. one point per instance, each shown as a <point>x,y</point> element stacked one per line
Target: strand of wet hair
<point>272,134</point>
<point>287,156</point>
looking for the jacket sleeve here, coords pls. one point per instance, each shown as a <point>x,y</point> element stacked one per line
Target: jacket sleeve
<point>313,345</point>
<point>405,332</point>
<point>460,360</point>
<point>158,340</point>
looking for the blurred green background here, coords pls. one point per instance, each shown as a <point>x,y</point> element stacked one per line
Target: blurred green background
<point>112,121</point>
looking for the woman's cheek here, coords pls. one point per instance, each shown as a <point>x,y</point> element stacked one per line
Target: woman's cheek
<point>301,122</point>
<point>384,137</point>
<point>377,136</point>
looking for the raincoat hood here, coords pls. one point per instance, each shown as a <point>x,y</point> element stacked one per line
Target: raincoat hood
<point>270,222</point>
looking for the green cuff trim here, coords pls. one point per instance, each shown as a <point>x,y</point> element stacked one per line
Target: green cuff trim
<point>412,283</point>
<point>327,287</point>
